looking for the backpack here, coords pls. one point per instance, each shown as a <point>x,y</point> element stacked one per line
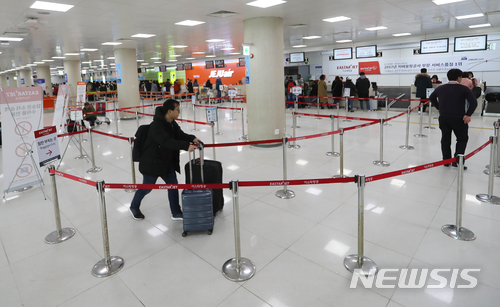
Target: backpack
<point>140,139</point>
<point>476,90</point>
<point>290,85</point>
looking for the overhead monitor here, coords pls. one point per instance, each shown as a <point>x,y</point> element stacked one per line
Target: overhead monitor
<point>242,62</point>
<point>157,69</point>
<point>366,52</point>
<point>342,54</point>
<point>471,43</point>
<point>139,70</point>
<point>188,66</point>
<point>297,57</point>
<point>434,46</point>
<point>219,64</point>
<point>209,64</point>
<point>179,67</point>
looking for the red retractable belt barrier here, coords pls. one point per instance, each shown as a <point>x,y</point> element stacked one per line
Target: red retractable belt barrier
<point>110,135</point>
<point>312,136</point>
<point>312,115</point>
<point>478,150</point>
<point>166,186</point>
<point>358,118</point>
<point>294,182</point>
<point>244,143</point>
<point>85,181</point>
<point>71,133</point>
<point>409,170</point>
<point>361,126</point>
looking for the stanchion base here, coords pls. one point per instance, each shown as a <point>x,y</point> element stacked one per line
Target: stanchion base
<point>295,126</point>
<point>231,272</point>
<point>387,124</point>
<point>463,234</point>
<point>485,198</point>
<point>130,190</point>
<point>84,140</point>
<point>231,119</point>
<point>420,135</point>
<point>294,146</point>
<point>429,127</point>
<point>339,176</point>
<point>100,269</point>
<point>407,147</point>
<point>219,133</point>
<point>285,194</point>
<point>81,157</point>
<point>333,154</point>
<point>368,268</point>
<point>243,138</point>
<point>381,163</point>
<point>487,172</point>
<point>346,120</point>
<point>317,118</point>
<point>54,238</point>
<point>96,169</point>
<point>119,133</point>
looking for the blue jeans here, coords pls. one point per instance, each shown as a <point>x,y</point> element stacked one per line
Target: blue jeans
<point>367,104</point>
<point>291,97</point>
<point>350,103</point>
<point>173,195</point>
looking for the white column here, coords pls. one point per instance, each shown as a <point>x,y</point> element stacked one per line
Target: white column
<point>128,89</point>
<point>265,99</point>
<point>27,76</point>
<point>72,70</point>
<point>11,81</point>
<point>3,80</point>
<point>43,72</point>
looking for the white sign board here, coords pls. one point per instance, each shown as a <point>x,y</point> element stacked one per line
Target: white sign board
<point>342,54</point>
<point>81,92</point>
<point>59,107</point>
<point>366,52</point>
<point>429,91</point>
<point>232,93</point>
<point>76,115</point>
<point>193,99</point>
<point>18,126</point>
<point>246,50</point>
<point>212,114</point>
<point>347,92</point>
<point>296,90</point>
<point>297,57</point>
<point>47,145</point>
<point>434,46</point>
<point>470,43</point>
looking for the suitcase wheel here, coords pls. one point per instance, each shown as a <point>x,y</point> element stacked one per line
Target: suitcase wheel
<point>184,233</point>
<point>210,231</point>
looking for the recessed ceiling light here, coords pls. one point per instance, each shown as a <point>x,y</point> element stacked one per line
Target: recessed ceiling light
<point>210,56</point>
<point>58,57</point>
<point>143,35</point>
<point>470,16</point>
<point>39,62</point>
<point>441,2</point>
<point>228,48</point>
<point>401,34</point>
<point>140,60</point>
<point>265,3</point>
<point>98,61</point>
<point>344,41</point>
<point>31,65</point>
<point>174,55</point>
<point>111,58</point>
<point>336,19</point>
<point>172,60</point>
<point>51,6</point>
<point>190,58</point>
<point>71,54</point>
<point>299,46</point>
<point>376,28</point>
<point>311,37</point>
<point>157,62</point>
<point>480,26</point>
<point>156,58</point>
<point>60,67</point>
<point>111,44</point>
<point>47,60</point>
<point>189,23</point>
<point>215,40</point>
<point>234,53</point>
<point>199,52</point>
<point>11,39</point>
<point>88,49</point>
<point>89,62</point>
<point>53,68</point>
<point>179,46</point>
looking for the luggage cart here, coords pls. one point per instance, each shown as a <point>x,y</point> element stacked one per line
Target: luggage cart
<point>101,106</point>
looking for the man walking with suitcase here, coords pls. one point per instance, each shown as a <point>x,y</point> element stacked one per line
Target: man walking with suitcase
<point>160,156</point>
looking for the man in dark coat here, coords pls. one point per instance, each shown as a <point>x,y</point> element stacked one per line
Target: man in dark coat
<point>422,83</point>
<point>363,89</point>
<point>160,157</point>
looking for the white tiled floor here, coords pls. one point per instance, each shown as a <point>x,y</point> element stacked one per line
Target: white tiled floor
<point>297,245</point>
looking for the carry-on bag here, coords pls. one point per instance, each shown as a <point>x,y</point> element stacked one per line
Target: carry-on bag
<point>197,206</point>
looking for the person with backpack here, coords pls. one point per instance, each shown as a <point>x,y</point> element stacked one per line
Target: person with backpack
<point>337,87</point>
<point>159,155</point>
<point>348,84</point>
<point>363,90</point>
<point>290,96</point>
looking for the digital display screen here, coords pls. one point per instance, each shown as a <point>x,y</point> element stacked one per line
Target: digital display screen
<point>163,68</point>
<point>179,67</point>
<point>434,46</point>
<point>242,62</point>
<point>219,64</point>
<point>188,66</point>
<point>471,43</point>
<point>209,64</point>
<point>342,54</point>
<point>297,57</point>
<point>366,52</point>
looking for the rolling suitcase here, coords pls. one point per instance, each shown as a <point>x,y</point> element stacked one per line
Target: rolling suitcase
<point>197,207</point>
<point>212,174</point>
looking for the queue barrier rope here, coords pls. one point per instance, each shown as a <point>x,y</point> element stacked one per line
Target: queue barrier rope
<point>108,134</point>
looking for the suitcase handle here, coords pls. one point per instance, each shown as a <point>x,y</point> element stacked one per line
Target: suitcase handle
<point>191,161</point>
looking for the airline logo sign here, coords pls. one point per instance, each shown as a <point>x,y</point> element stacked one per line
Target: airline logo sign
<point>221,73</point>
<point>370,68</point>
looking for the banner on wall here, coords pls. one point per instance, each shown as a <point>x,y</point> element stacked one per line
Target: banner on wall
<point>60,105</point>
<point>81,92</point>
<point>231,74</point>
<point>118,70</point>
<point>21,116</point>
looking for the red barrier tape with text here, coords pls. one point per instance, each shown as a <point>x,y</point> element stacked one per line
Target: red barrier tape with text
<point>478,150</point>
<point>409,170</point>
<point>85,181</point>
<point>166,186</point>
<point>71,133</point>
<point>244,143</point>
<point>312,136</point>
<point>361,126</point>
<point>111,135</point>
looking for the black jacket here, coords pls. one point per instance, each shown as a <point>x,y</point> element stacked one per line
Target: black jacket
<point>162,146</point>
<point>337,88</point>
<point>189,86</point>
<point>363,87</point>
<point>450,99</point>
<point>422,82</point>
<point>349,84</point>
<point>314,89</point>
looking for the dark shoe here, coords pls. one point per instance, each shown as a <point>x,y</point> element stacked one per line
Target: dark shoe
<point>136,214</point>
<point>447,165</point>
<point>454,164</point>
<point>177,217</point>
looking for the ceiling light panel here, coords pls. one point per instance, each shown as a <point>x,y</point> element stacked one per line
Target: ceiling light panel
<point>265,3</point>
<point>143,35</point>
<point>311,37</point>
<point>179,46</point>
<point>88,49</point>
<point>71,54</point>
<point>299,46</point>
<point>376,28</point>
<point>344,41</point>
<point>470,16</point>
<point>336,19</point>
<point>215,40</point>
<point>11,39</point>
<point>401,34</point>
<point>441,2</point>
<point>480,26</point>
<point>111,44</point>
<point>189,23</point>
<point>51,6</point>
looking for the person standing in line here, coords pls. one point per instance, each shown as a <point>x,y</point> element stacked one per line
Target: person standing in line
<point>337,89</point>
<point>449,99</point>
<point>290,96</point>
<point>322,90</point>
<point>218,83</point>
<point>422,83</point>
<point>466,81</point>
<point>189,86</point>
<point>300,82</point>
<point>160,156</point>
<point>177,86</point>
<point>363,90</point>
<point>348,84</point>
<point>154,90</point>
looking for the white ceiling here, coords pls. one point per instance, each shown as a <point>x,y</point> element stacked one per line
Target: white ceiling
<point>92,22</point>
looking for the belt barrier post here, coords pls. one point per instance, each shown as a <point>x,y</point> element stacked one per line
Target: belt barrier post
<point>295,103</point>
<point>430,117</point>
<point>94,169</point>
<point>317,104</point>
<point>490,198</point>
<point>218,132</point>
<point>109,265</point>
<point>381,162</point>
<point>457,231</point>
<point>406,146</point>
<point>213,137</point>
<point>420,135</point>
<point>496,125</point>
<point>194,118</point>
<point>237,268</point>
<point>341,155</point>
<point>333,153</point>
<point>294,118</point>
<point>137,118</point>
<point>81,156</point>
<point>358,263</point>
<point>285,194</point>
<point>142,105</point>
<point>116,119</point>
<point>131,144</point>
<point>232,111</point>
<point>346,107</point>
<point>346,120</point>
<point>386,111</point>
<point>243,137</point>
<point>61,234</point>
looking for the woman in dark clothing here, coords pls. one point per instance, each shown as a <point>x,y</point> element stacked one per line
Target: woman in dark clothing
<point>208,84</point>
<point>337,89</point>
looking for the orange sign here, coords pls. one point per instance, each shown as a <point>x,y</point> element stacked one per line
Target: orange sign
<point>370,68</point>
<point>231,74</point>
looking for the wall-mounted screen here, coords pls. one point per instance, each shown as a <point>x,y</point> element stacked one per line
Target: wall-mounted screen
<point>434,46</point>
<point>179,67</point>
<point>471,43</point>
<point>163,68</point>
<point>99,74</point>
<point>209,64</point>
<point>219,64</point>
<point>242,62</point>
<point>188,66</point>
<point>342,54</point>
<point>366,52</point>
<point>139,70</point>
<point>157,69</point>
<point>297,57</point>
